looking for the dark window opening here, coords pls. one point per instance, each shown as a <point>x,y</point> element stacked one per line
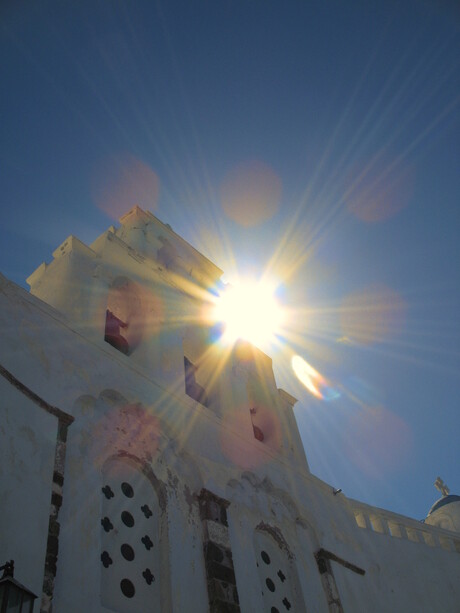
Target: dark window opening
<point>258,434</point>
<point>192,388</point>
<point>167,254</point>
<point>113,334</point>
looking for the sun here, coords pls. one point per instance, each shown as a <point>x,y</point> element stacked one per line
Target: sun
<point>251,312</point>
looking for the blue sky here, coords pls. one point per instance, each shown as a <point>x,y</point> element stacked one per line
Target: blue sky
<point>351,109</point>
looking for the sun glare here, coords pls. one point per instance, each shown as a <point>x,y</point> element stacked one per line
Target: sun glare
<point>249,311</point>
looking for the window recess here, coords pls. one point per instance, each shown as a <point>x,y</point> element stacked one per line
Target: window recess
<point>258,433</point>
<point>192,388</point>
<point>113,332</point>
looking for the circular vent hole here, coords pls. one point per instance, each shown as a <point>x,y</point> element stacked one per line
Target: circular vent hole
<point>265,557</point>
<point>127,552</point>
<point>127,588</point>
<point>270,584</point>
<point>127,489</point>
<point>127,519</point>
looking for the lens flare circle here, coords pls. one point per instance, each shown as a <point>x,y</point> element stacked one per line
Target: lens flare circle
<point>372,315</point>
<point>315,383</point>
<point>249,311</point>
<point>251,193</point>
<point>379,441</point>
<point>122,180</point>
<point>379,188</point>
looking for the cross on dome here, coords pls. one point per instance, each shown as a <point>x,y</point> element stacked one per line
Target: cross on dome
<point>441,486</point>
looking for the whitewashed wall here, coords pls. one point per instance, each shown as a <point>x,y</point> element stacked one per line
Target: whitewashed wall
<point>135,407</point>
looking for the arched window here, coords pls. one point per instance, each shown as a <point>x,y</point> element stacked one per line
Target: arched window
<point>130,552</point>
<point>277,574</point>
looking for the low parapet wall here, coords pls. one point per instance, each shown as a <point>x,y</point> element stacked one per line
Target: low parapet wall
<point>401,527</point>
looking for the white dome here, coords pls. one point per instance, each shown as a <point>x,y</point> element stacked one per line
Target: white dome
<point>445,513</point>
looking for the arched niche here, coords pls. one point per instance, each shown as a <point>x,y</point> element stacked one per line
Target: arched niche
<point>134,539</point>
<point>278,578</point>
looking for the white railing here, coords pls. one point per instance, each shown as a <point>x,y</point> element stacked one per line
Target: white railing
<point>397,526</point>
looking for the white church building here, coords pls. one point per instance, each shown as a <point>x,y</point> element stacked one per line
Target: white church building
<point>145,468</point>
